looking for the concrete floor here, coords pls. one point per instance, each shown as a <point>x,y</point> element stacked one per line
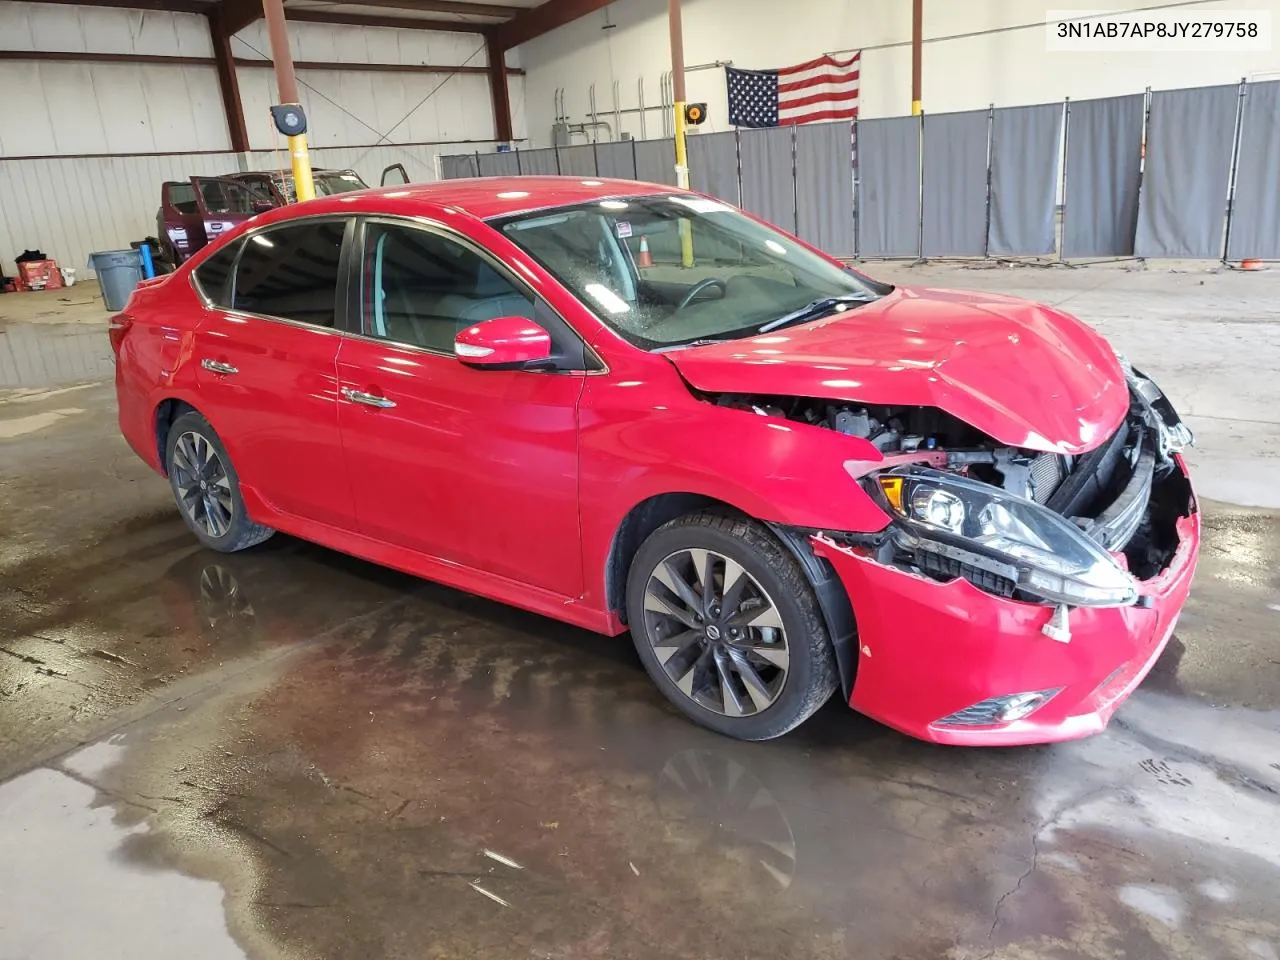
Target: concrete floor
<point>290,753</point>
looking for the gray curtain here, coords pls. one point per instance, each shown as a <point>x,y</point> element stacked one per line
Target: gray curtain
<point>499,164</point>
<point>616,159</point>
<point>1026,149</point>
<point>656,161</point>
<point>955,184</point>
<point>824,186</point>
<point>1182,208</point>
<point>578,161</point>
<point>713,165</point>
<point>889,187</point>
<point>768,181</point>
<point>539,162</point>
<point>458,166</point>
<point>1255,212</point>
<point>1104,156</point>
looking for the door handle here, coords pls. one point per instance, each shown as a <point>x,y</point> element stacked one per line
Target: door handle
<point>368,399</point>
<point>217,366</point>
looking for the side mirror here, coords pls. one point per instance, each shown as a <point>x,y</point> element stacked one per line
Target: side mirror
<point>505,343</point>
<point>262,206</point>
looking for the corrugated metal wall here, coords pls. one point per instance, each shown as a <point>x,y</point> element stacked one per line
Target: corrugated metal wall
<point>69,108</point>
<point>114,108</point>
<point>68,207</point>
<point>354,106</point>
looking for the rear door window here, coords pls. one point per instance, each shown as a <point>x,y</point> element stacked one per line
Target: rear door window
<point>222,197</point>
<point>291,272</point>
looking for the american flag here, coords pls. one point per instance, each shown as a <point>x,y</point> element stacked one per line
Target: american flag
<point>821,89</point>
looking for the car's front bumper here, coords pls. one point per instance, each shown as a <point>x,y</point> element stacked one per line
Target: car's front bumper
<point>928,649</point>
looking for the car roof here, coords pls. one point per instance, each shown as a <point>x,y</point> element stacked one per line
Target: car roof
<point>486,197</point>
<point>480,198</point>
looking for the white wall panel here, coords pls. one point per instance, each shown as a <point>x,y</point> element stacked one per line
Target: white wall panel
<point>55,27</point>
<point>350,106</point>
<point>342,44</point>
<point>75,108</point>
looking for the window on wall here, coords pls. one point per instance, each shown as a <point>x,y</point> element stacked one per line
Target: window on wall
<point>421,288</point>
<point>291,272</point>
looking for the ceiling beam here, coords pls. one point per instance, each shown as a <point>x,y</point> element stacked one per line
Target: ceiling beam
<point>75,56</point>
<point>231,16</point>
<point>163,60</point>
<point>399,23</point>
<point>536,21</point>
<point>373,67</point>
<point>229,87</point>
<point>171,6</point>
<point>455,7</point>
<point>498,92</point>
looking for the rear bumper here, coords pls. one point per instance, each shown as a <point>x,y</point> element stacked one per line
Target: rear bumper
<point>929,649</point>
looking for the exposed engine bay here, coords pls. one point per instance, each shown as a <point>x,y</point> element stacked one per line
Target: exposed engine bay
<point>1124,495</point>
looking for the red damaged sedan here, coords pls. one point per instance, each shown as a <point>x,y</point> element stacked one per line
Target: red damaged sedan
<point>633,408</point>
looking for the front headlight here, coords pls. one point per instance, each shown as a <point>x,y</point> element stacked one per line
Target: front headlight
<point>1006,536</point>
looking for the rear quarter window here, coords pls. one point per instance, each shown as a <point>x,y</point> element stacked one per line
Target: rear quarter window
<point>212,277</point>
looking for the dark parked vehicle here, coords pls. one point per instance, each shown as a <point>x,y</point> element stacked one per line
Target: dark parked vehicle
<point>198,211</point>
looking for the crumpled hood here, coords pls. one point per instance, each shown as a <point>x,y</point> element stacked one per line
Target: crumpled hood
<point>1023,373</point>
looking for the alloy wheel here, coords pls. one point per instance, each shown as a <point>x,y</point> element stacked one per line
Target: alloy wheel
<point>204,489</point>
<point>716,632</point>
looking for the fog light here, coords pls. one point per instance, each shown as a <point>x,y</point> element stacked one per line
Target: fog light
<point>1023,705</point>
<point>998,710</point>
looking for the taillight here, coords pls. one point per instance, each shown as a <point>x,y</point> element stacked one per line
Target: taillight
<point>117,327</point>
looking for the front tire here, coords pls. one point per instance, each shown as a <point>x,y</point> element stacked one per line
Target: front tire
<point>728,626</point>
<point>206,488</point>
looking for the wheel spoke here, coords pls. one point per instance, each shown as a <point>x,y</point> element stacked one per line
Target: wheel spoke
<point>659,604</point>
<point>220,513</point>
<point>773,653</point>
<point>702,560</point>
<point>182,461</point>
<point>677,584</point>
<point>733,706</point>
<point>685,680</point>
<point>763,615</point>
<point>756,689</point>
<point>679,643</point>
<point>735,582</point>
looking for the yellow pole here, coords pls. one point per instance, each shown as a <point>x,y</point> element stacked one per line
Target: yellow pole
<point>917,54</point>
<point>303,183</point>
<point>682,180</point>
<point>278,33</point>
<point>677,90</point>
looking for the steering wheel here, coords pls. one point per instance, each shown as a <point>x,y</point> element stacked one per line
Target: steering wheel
<point>698,287</point>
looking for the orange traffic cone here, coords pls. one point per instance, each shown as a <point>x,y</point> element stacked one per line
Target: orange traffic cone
<point>644,260</point>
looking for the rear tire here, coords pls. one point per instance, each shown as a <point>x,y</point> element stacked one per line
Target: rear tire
<point>206,488</point>
<point>750,657</point>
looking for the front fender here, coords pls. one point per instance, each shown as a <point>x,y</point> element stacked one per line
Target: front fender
<point>641,438</point>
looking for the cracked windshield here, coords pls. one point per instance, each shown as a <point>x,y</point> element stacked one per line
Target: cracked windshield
<point>665,271</point>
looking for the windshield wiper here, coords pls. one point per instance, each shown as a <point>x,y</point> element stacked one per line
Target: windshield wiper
<point>811,311</point>
<point>688,343</point>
